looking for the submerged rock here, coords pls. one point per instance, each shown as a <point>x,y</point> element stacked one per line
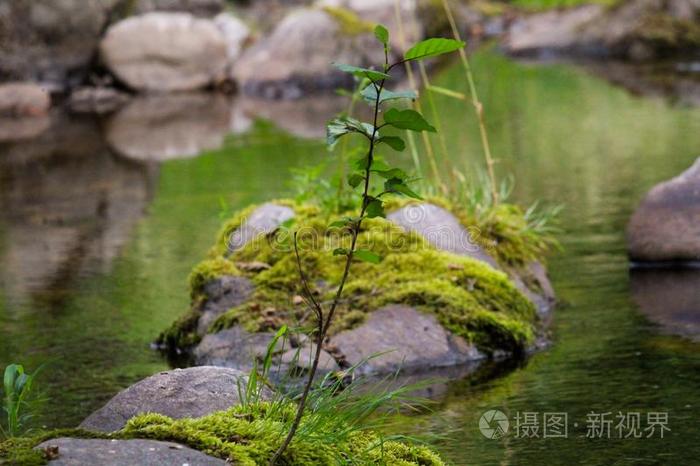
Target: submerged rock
<point>178,393</point>
<point>399,337</point>
<point>666,225</point>
<point>165,52</point>
<point>96,100</point>
<point>164,127</point>
<point>103,452</point>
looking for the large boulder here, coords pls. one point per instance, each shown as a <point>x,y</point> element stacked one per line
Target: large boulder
<point>400,337</point>
<point>235,33</point>
<point>171,126</point>
<point>165,52</point>
<point>50,41</point>
<point>179,393</point>
<point>233,347</point>
<point>296,57</point>
<point>666,225</point>
<point>104,452</point>
<point>636,30</point>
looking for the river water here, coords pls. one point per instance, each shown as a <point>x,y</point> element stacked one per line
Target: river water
<point>98,231</point>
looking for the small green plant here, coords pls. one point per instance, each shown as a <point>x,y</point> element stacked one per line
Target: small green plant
<point>362,172</point>
<point>17,384</point>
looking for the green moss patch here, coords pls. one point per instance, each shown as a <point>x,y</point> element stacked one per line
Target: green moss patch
<point>467,296</point>
<point>246,436</point>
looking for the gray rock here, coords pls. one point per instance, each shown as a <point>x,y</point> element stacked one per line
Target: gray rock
<point>637,30</point>
<point>265,219</point>
<point>302,358</point>
<point>89,452</point>
<point>235,33</point>
<point>23,99</point>
<point>179,393</point>
<point>164,127</point>
<point>302,47</point>
<point>666,225</point>
<point>165,52</point>
<point>222,294</point>
<point>234,347</point>
<point>441,229</point>
<point>400,337</point>
<point>50,41</point>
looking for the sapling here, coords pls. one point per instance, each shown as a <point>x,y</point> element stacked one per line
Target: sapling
<point>362,173</point>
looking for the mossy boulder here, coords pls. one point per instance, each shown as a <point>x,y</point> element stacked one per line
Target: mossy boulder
<point>474,305</point>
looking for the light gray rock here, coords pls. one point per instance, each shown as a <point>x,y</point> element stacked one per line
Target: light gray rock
<point>235,33</point>
<point>179,393</point>
<point>666,225</point>
<point>400,337</point>
<point>23,99</point>
<point>171,126</point>
<point>89,452</point>
<point>265,219</point>
<point>234,347</point>
<point>165,52</point>
<point>302,47</point>
<point>222,294</point>
<point>441,229</point>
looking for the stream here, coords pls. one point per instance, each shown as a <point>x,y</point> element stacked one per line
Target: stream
<point>102,219</point>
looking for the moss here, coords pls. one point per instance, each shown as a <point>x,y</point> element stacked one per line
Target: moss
<point>350,24</point>
<point>20,450</point>
<point>207,271</point>
<point>667,32</point>
<point>249,436</point>
<point>243,435</point>
<point>468,297</point>
<point>183,332</point>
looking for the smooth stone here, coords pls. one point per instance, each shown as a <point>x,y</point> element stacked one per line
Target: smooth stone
<point>234,347</point>
<point>263,220</point>
<point>165,52</point>
<point>441,229</point>
<point>179,393</point>
<point>103,452</point>
<point>400,337</point>
<point>666,225</point>
<point>303,358</point>
<point>23,99</point>
<point>222,294</point>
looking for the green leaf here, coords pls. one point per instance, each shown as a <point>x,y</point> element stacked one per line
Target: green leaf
<point>340,252</point>
<point>382,34</point>
<point>362,72</point>
<point>379,164</point>
<point>394,142</point>
<point>395,173</point>
<point>369,93</point>
<point>361,163</point>
<point>432,47</point>
<point>397,185</point>
<point>339,127</point>
<point>375,209</point>
<point>367,256</point>
<point>355,179</point>
<point>407,119</point>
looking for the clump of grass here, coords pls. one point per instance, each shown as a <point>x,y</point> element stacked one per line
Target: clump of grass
<point>17,386</point>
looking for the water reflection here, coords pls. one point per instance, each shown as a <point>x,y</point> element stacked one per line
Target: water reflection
<point>68,205</point>
<point>670,298</point>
